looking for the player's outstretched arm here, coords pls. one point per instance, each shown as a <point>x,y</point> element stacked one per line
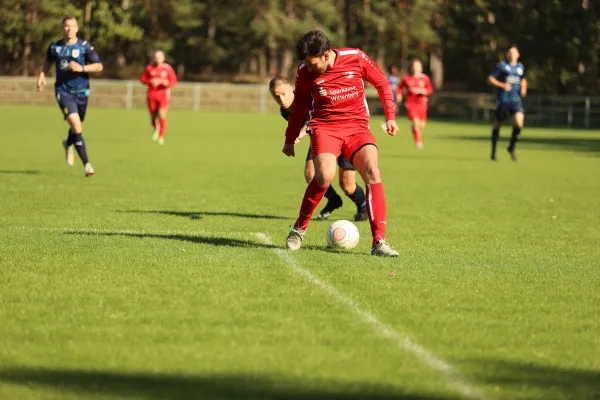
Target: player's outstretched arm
<point>172,78</point>
<point>145,77</point>
<point>523,87</point>
<point>375,77</point>
<point>302,102</point>
<point>41,82</point>
<point>50,58</point>
<point>428,89</point>
<point>493,79</point>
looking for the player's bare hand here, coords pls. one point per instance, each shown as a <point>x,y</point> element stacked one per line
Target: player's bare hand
<point>75,67</point>
<point>523,91</point>
<point>288,150</point>
<point>154,82</point>
<point>41,83</point>
<point>507,87</point>
<point>391,127</point>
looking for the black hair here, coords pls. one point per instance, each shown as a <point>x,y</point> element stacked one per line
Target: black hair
<point>312,44</point>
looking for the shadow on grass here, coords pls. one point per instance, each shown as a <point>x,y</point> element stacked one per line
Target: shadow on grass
<point>562,383</point>
<point>200,214</point>
<point>425,156</point>
<point>170,386</point>
<point>19,172</point>
<point>211,240</point>
<point>586,145</point>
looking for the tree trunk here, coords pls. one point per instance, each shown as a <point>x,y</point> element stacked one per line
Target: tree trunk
<point>380,55</point>
<point>210,36</point>
<point>87,19</point>
<point>262,63</point>
<point>31,19</point>
<point>287,61</point>
<point>367,24</point>
<point>273,56</point>
<point>436,65</point>
<point>404,45</point>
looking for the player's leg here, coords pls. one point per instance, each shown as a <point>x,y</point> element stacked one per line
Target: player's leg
<point>334,201</point>
<point>516,133</point>
<point>347,179</point>
<point>163,108</point>
<point>365,157</point>
<point>326,149</point>
<point>75,120</point>
<point>309,169</point>
<point>416,131</point>
<point>500,115</point>
<point>67,106</point>
<point>154,121</point>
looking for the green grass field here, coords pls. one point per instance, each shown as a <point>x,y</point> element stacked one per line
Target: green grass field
<point>162,277</point>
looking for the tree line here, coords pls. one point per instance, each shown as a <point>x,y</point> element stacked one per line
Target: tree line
<point>459,41</point>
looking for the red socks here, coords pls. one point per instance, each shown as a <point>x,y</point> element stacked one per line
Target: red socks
<point>312,197</point>
<point>163,127</point>
<point>376,210</point>
<point>417,135</point>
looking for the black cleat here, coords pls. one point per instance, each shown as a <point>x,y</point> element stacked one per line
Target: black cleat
<point>361,216</point>
<point>493,157</point>
<point>330,207</point>
<point>513,154</point>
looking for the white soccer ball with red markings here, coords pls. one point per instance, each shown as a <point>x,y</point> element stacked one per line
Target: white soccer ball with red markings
<point>343,235</point>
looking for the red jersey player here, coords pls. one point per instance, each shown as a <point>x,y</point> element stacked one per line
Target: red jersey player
<point>329,88</point>
<point>418,87</point>
<point>160,78</point>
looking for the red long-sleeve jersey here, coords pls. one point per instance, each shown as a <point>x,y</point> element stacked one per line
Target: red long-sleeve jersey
<point>414,85</point>
<point>336,98</point>
<point>164,71</point>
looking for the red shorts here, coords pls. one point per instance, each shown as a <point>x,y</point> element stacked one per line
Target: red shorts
<point>156,103</point>
<point>342,141</point>
<point>416,111</point>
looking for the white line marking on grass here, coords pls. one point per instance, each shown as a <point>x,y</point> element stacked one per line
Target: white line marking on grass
<point>455,380</point>
<point>121,231</point>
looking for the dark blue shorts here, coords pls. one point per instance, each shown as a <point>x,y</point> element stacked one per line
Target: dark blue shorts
<point>72,103</point>
<point>343,162</point>
<point>504,110</point>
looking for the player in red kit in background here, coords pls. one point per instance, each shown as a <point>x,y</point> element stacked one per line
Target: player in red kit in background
<point>160,78</point>
<point>418,88</point>
<point>329,88</point>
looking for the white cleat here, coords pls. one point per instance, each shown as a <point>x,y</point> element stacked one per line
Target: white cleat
<point>294,239</point>
<point>383,249</point>
<point>161,140</point>
<point>69,153</point>
<point>89,170</point>
<point>155,135</point>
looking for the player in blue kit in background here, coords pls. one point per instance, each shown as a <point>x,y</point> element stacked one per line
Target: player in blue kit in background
<point>283,93</point>
<point>74,59</point>
<point>509,78</point>
<point>394,78</point>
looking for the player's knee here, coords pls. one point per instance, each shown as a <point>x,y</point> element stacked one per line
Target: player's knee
<point>324,177</point>
<point>371,174</point>
<point>348,183</point>
<point>308,175</point>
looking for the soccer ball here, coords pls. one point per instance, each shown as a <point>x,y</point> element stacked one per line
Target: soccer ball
<point>342,234</point>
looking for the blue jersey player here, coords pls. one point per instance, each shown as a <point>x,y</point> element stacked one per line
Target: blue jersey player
<point>283,93</point>
<point>509,78</point>
<point>74,59</point>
